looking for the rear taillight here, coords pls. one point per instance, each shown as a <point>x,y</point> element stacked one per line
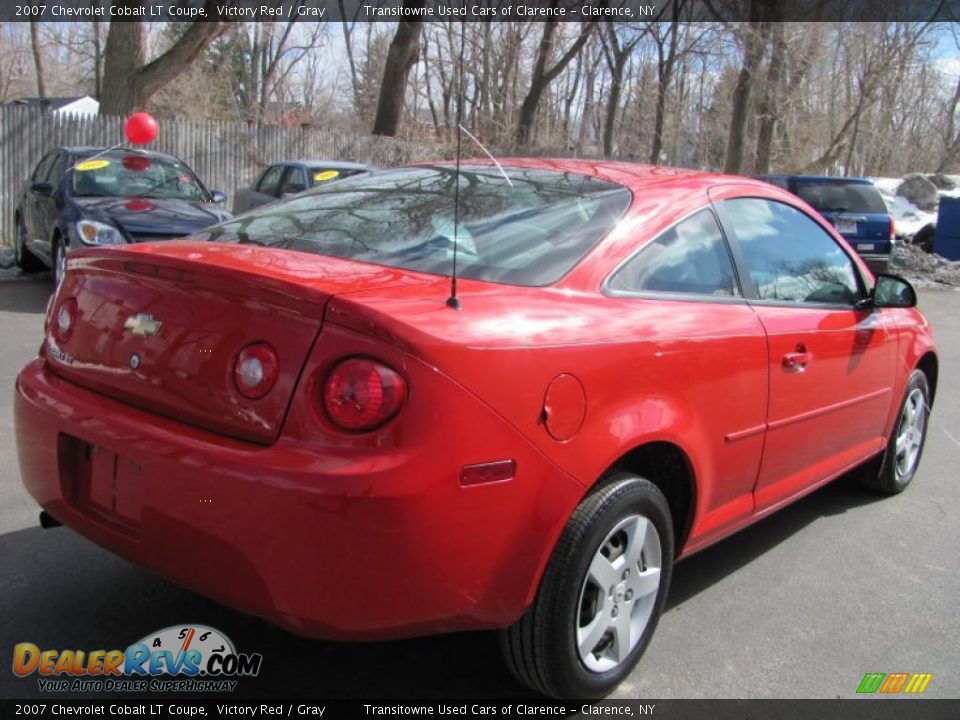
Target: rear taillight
<point>65,320</point>
<point>893,230</point>
<point>255,370</point>
<point>361,394</point>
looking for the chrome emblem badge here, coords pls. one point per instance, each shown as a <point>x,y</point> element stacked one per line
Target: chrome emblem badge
<point>134,361</point>
<point>142,325</point>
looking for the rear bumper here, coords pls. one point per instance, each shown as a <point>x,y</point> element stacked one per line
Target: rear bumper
<point>344,546</point>
<point>877,262</point>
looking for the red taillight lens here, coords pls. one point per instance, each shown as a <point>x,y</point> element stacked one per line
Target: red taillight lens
<point>65,320</point>
<point>893,230</point>
<point>255,370</point>
<point>361,394</point>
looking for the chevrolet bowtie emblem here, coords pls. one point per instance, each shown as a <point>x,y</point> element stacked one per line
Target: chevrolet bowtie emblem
<point>142,324</point>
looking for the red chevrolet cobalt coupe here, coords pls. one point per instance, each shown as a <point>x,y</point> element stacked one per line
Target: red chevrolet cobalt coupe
<point>642,361</point>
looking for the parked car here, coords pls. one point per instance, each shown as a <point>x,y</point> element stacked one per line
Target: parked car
<point>287,414</point>
<point>854,206</point>
<point>119,196</point>
<point>289,178</point>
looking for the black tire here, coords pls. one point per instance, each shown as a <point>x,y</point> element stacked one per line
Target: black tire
<point>894,476</point>
<point>541,648</point>
<point>22,257</point>
<point>57,247</point>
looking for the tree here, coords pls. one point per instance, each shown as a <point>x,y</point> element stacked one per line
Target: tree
<point>753,52</point>
<point>129,81</point>
<point>400,58</point>
<point>37,60</point>
<point>767,107</point>
<point>951,136</point>
<point>542,76</point>
<point>616,55</point>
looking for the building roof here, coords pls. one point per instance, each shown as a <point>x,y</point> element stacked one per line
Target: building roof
<point>53,103</point>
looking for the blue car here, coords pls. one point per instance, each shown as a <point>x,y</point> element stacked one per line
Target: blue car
<point>855,208</point>
<point>86,196</point>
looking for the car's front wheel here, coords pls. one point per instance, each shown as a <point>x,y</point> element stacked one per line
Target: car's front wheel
<point>59,261</point>
<point>601,594</point>
<point>902,456</point>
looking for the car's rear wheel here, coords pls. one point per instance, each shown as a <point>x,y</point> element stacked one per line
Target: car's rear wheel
<point>601,595</point>
<point>905,447</point>
<point>22,257</point>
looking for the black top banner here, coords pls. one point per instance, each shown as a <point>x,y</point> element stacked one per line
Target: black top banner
<point>480,10</point>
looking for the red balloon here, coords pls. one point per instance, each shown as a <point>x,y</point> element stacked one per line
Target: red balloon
<point>141,128</point>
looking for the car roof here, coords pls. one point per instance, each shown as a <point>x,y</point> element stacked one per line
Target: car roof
<point>91,149</point>
<point>820,178</point>
<point>635,176</point>
<point>332,164</point>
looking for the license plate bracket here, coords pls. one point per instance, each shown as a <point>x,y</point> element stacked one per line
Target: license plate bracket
<point>101,482</point>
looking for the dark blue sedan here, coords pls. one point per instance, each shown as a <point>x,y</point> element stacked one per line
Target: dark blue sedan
<point>85,196</point>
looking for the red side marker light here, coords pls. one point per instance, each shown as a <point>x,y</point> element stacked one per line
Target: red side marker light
<point>489,472</point>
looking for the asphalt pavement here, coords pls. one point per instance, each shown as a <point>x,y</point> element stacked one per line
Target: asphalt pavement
<point>802,604</point>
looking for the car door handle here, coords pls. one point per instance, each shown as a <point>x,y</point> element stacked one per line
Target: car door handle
<point>797,361</point>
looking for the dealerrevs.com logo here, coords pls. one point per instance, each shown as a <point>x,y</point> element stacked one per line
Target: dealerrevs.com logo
<point>180,658</point>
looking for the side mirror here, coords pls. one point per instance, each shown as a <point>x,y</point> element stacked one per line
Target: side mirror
<point>42,188</point>
<point>892,291</point>
<point>219,196</point>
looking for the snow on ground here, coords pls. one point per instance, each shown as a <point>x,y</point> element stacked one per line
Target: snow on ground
<point>9,271</point>
<point>907,217</point>
<point>922,269</point>
<point>6,257</point>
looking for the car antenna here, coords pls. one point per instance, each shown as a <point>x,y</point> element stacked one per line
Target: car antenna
<point>453,301</point>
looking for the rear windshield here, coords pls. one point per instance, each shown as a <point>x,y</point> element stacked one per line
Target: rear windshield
<point>529,231</point>
<point>840,196</point>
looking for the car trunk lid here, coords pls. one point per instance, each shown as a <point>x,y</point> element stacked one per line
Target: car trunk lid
<point>160,326</point>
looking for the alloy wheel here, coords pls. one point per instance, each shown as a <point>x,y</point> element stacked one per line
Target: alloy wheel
<point>618,594</point>
<point>910,430</point>
<point>60,264</point>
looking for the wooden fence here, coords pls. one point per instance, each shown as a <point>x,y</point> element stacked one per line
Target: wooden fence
<point>226,155</point>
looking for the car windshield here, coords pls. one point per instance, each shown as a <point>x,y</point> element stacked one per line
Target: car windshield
<point>320,175</point>
<point>839,196</point>
<point>126,174</point>
<point>528,231</point>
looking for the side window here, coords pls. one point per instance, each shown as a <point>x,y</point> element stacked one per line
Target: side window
<point>294,181</point>
<point>270,180</point>
<point>691,258</point>
<point>791,258</point>
<point>43,167</point>
<point>56,170</point>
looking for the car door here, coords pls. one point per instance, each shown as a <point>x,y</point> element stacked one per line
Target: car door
<point>31,204</point>
<point>831,363</point>
<point>713,349</point>
<point>48,207</point>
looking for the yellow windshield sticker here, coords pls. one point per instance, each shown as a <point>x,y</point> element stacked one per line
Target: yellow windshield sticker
<point>91,165</point>
<point>326,175</point>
